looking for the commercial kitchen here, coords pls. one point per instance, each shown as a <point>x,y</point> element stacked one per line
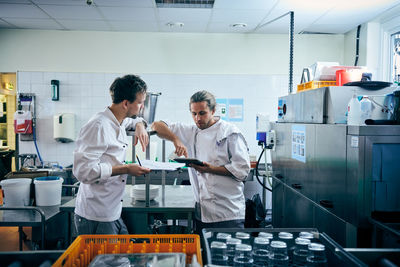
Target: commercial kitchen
<point>313,87</point>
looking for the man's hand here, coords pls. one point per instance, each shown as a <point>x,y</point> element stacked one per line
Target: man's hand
<point>136,170</point>
<point>180,148</point>
<point>219,170</point>
<point>141,135</point>
<point>206,168</point>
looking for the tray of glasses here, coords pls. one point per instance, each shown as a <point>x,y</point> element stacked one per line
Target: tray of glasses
<point>274,247</point>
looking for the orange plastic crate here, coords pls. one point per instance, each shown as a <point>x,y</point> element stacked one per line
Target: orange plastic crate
<point>314,84</point>
<point>85,247</point>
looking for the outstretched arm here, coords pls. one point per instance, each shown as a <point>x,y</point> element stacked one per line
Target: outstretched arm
<point>164,132</point>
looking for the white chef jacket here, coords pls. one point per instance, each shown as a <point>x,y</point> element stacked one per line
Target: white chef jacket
<point>221,198</point>
<point>101,144</point>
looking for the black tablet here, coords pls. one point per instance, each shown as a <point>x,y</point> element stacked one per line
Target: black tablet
<point>188,161</point>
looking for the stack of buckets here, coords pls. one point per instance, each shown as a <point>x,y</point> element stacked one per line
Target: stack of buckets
<point>17,191</point>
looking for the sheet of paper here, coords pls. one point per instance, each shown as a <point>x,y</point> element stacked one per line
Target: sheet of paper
<point>156,165</point>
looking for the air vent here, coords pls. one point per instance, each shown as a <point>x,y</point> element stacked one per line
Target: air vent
<point>185,3</point>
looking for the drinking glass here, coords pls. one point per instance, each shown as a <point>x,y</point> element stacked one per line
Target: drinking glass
<point>300,252</point>
<point>288,239</point>
<point>260,252</point>
<point>230,250</point>
<point>316,255</point>
<point>243,257</point>
<point>278,255</point>
<point>223,237</point>
<point>245,237</point>
<point>218,253</point>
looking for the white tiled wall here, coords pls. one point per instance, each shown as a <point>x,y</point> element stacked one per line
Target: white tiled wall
<point>87,93</point>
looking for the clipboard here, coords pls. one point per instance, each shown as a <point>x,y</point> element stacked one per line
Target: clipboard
<point>188,161</point>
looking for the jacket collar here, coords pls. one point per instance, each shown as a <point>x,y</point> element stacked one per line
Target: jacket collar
<point>108,113</point>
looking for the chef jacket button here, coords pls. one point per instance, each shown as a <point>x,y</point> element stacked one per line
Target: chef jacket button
<point>122,200</point>
<point>123,181</point>
<point>123,146</point>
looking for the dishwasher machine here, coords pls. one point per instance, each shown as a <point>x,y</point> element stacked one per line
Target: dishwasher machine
<point>343,180</point>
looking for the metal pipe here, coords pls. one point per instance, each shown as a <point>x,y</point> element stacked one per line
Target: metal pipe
<point>291,45</point>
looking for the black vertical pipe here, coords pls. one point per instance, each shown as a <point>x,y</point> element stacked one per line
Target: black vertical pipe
<point>291,39</point>
<point>357,44</point>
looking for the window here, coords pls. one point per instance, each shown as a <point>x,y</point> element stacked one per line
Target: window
<point>395,57</point>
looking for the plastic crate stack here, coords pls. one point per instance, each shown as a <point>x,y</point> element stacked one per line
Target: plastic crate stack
<point>86,247</point>
<point>314,85</point>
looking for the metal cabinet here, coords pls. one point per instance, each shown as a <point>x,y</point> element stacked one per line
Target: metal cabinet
<point>349,174</point>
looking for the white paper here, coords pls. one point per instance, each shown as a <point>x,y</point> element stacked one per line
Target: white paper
<point>156,165</point>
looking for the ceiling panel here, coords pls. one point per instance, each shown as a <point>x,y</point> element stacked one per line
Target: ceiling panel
<point>72,12</point>
<point>130,3</point>
<point>15,1</point>
<point>136,26</point>
<point>353,16</point>
<point>21,11</point>
<point>330,16</point>
<point>330,28</point>
<point>47,24</point>
<point>184,14</point>
<point>63,2</point>
<point>248,4</point>
<point>128,13</point>
<point>85,25</point>
<point>234,16</point>
<point>4,24</point>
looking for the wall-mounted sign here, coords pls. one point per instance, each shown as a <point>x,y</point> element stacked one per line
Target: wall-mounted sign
<point>299,143</point>
<point>230,109</point>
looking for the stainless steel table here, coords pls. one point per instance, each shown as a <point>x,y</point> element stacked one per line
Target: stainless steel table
<point>173,202</point>
<point>29,216</point>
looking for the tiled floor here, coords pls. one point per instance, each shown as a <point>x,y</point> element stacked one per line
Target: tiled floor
<point>9,238</point>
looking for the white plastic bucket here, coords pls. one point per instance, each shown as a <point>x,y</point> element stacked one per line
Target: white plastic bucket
<point>16,192</point>
<point>48,190</point>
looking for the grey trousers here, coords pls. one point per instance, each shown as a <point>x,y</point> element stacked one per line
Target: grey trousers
<point>88,227</point>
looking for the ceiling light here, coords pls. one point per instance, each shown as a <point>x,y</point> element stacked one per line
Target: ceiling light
<point>175,24</point>
<point>238,25</point>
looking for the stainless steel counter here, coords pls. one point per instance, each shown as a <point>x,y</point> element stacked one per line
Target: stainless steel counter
<point>176,198</point>
<point>173,202</point>
<point>30,216</point>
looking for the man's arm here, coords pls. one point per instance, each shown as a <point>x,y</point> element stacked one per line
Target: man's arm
<point>132,169</point>
<point>218,170</point>
<point>164,132</point>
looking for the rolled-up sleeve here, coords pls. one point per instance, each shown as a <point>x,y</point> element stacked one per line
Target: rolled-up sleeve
<point>90,146</point>
<point>239,161</point>
<point>182,131</point>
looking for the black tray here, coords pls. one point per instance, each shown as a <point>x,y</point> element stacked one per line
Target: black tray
<point>369,85</point>
<point>188,161</point>
<point>335,254</point>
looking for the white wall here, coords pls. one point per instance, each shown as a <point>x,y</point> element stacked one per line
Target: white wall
<point>249,66</point>
<point>85,94</point>
<point>116,52</point>
<point>374,44</point>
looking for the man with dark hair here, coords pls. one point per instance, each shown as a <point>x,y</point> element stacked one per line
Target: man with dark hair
<point>218,185</point>
<point>99,159</point>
